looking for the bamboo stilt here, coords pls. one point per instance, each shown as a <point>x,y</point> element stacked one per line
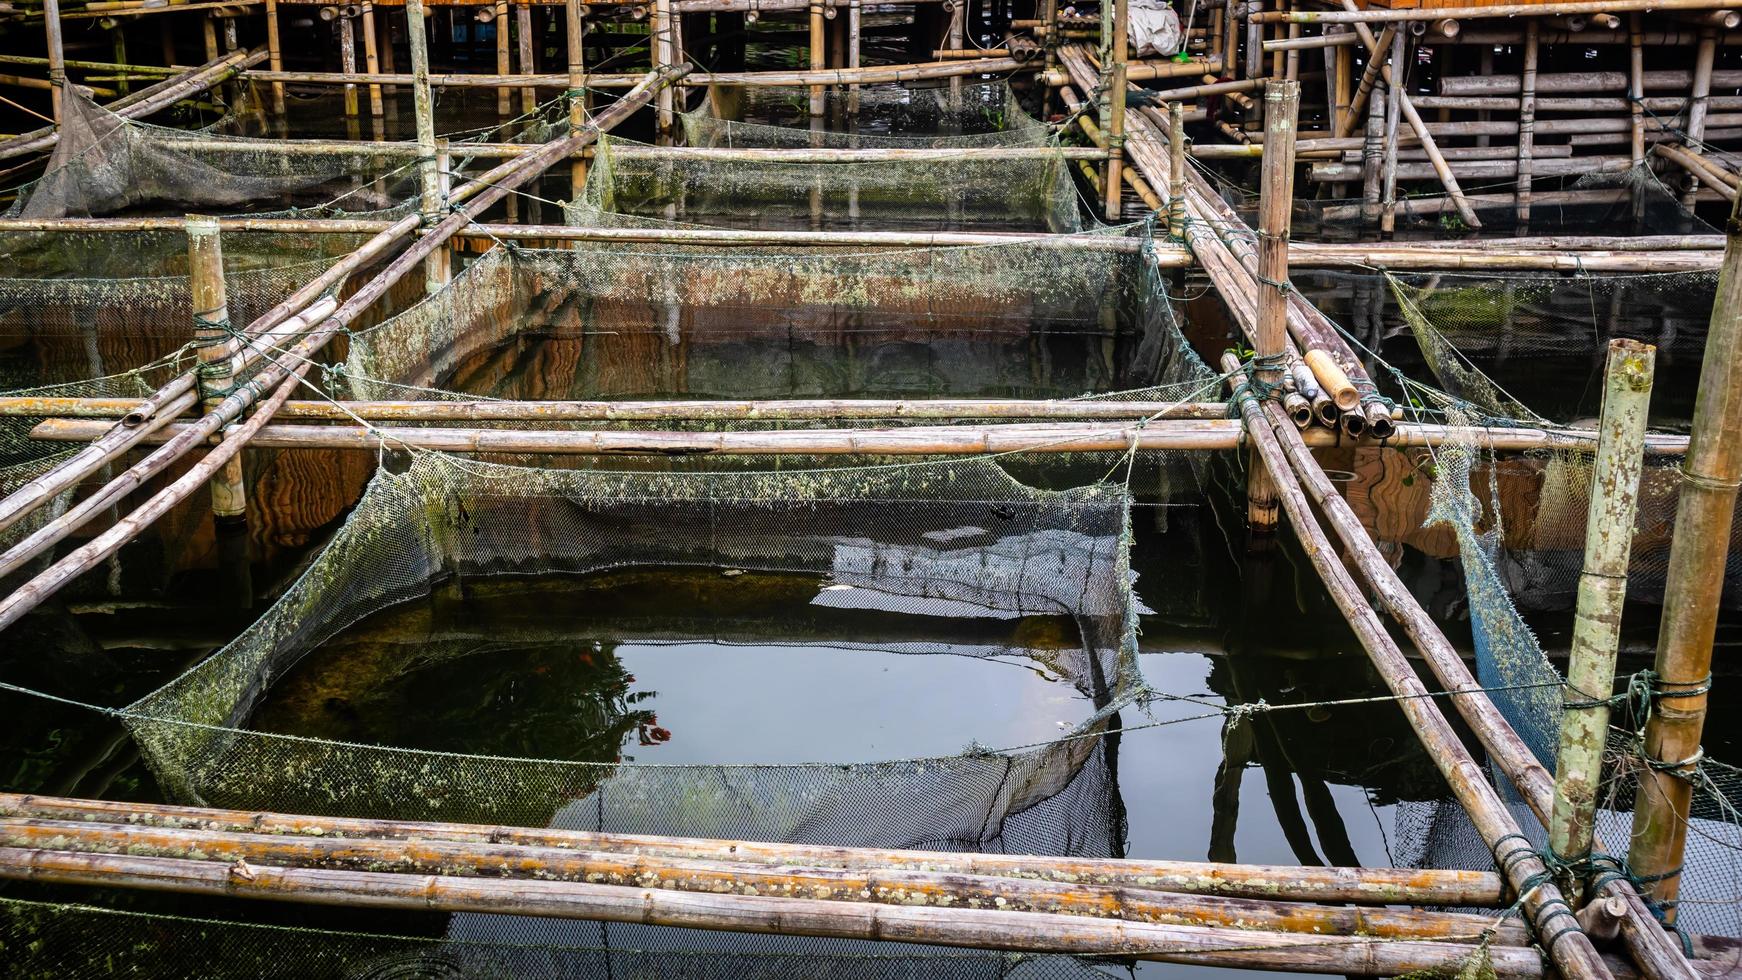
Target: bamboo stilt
<point>1116,96</point>
<point>1710,477</point>
<point>1526,125</point>
<point>1701,91</point>
<point>528,63</point>
<point>118,38</point>
<point>574,27</point>
<point>1394,99</point>
<point>275,59</point>
<point>431,205</point>
<point>503,29</point>
<point>57,67</point>
<point>348,64</point>
<point>1270,339</point>
<point>1373,161</point>
<point>1602,592</point>
<point>1176,189</point>
<point>216,376</point>
<point>372,61</point>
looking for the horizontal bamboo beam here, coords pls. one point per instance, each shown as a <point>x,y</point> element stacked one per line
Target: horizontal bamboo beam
<point>1032,932</point>
<point>623,411</point>
<point>1064,437</point>
<point>1374,15</point>
<point>1369,886</point>
<point>1579,82</point>
<point>939,889</point>
<point>834,76</point>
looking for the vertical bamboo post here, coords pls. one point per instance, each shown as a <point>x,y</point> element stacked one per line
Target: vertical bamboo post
<point>57,59</point>
<point>1049,38</point>
<point>1710,475</point>
<point>955,41</point>
<point>816,25</point>
<point>1115,184</point>
<point>1270,336</point>
<point>348,65</point>
<point>1393,116</point>
<point>275,59</point>
<point>504,96</point>
<point>1526,125</point>
<point>575,14</point>
<point>372,63</point>
<point>1230,36</point>
<point>1373,158</point>
<point>1627,380</point>
<point>423,107</point>
<point>209,32</point>
<point>213,336</point>
<point>1176,171</point>
<point>1636,86</point>
<point>528,61</point>
<point>118,41</point>
<point>660,31</point>
<point>1701,91</point>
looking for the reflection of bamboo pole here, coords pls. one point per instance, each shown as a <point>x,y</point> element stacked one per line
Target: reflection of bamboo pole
<point>1692,594</point>
<point>1602,592</point>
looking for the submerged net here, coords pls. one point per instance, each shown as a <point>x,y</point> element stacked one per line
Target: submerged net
<point>928,537</point>
<point>611,321</point>
<point>982,114</point>
<point>633,185</point>
<point>107,164</point>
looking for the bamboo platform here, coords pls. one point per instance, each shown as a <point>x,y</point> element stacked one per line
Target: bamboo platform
<point>1313,106</point>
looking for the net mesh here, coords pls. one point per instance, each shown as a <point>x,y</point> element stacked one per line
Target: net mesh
<point>983,114</point>
<point>633,185</point>
<point>107,164</point>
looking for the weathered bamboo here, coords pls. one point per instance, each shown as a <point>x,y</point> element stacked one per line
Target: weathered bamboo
<point>1150,71</point>
<point>574,35</point>
<point>886,887</point>
<point>1526,125</point>
<point>1345,124</point>
<point>1368,886</point>
<point>1270,336</point>
<point>1393,74</point>
<point>1176,190</point>
<point>1609,520</point>
<point>875,74</point>
<point>1698,167</point>
<point>523,46</point>
<point>146,100</point>
<point>1385,15</point>
<point>1704,58</point>
<point>274,57</point>
<point>437,270</point>
<point>1116,56</point>
<point>855,154</point>
<point>817,55</point>
<point>348,64</point>
<point>216,375</point>
<point>1636,87</point>
<point>57,67</point>
<point>971,928</point>
<point>1394,99</point>
<point>1191,432</point>
<point>491,187</point>
<point>1372,161</point>
<point>1582,82</point>
<point>1550,918</point>
<point>372,61</point>
<point>1710,477</point>
<point>616,411</point>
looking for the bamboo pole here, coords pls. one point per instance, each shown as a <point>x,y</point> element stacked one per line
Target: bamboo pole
<point>1704,58</point>
<point>1636,86</point>
<point>57,67</point>
<point>970,928</point>
<point>1699,168</point>
<point>275,58</point>
<point>1117,55</point>
<point>216,375</point>
<point>1365,886</point>
<point>904,887</point>
<point>488,189</point>
<point>1394,99</point>
<point>618,411</point>
<point>1394,76</point>
<point>817,62</point>
<point>431,206</point>
<point>1526,125</point>
<point>528,63</point>
<point>1710,476</point>
<point>348,63</point>
<point>1270,339</point>
<point>1550,917</point>
<point>372,61</point>
<point>1188,433</point>
<point>1602,593</point>
<point>1176,188</point>
<point>1373,160</point>
<point>1387,15</point>
<point>574,28</point>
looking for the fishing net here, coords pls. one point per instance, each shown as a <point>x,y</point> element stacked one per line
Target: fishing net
<point>1465,328</point>
<point>982,114</point>
<point>628,322</point>
<point>42,940</point>
<point>1473,495</point>
<point>927,536</point>
<point>634,185</point>
<point>107,164</point>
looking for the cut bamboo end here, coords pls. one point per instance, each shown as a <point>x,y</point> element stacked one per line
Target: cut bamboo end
<point>1333,380</point>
